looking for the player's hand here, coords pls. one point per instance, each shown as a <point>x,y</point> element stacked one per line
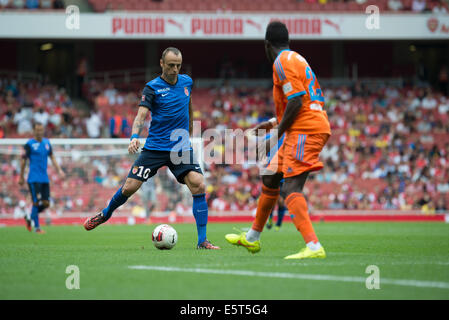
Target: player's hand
<point>134,146</point>
<point>21,181</point>
<point>261,129</point>
<point>61,174</point>
<point>263,149</point>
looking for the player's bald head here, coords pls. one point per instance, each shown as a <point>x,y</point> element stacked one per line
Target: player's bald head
<point>174,51</point>
<point>277,34</point>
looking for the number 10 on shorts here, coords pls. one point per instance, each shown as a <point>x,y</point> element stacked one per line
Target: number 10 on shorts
<point>141,173</point>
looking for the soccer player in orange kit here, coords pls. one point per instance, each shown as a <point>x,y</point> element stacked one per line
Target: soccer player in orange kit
<point>304,127</point>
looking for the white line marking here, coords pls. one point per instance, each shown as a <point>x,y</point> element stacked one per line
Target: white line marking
<point>322,277</point>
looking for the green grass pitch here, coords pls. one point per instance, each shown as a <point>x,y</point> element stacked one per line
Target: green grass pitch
<point>413,262</point>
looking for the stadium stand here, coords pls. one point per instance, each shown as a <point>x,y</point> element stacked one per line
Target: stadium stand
<point>395,138</point>
<point>220,6</point>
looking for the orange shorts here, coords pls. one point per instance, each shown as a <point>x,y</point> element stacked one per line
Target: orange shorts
<point>299,153</point>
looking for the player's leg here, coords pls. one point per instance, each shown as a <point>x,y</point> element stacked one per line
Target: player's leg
<point>281,213</point>
<point>118,199</point>
<point>45,197</point>
<point>303,159</point>
<point>270,220</point>
<point>144,168</point>
<point>121,196</point>
<point>265,205</point>
<point>187,171</point>
<point>34,217</point>
<point>195,183</point>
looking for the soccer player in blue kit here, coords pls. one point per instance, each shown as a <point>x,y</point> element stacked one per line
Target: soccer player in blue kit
<point>168,99</point>
<point>38,149</point>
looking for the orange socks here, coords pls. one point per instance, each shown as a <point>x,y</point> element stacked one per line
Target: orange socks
<point>267,201</point>
<point>297,206</point>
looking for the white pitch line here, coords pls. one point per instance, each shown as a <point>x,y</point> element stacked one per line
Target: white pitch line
<point>320,277</point>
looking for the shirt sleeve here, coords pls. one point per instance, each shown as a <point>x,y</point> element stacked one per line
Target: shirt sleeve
<point>148,96</point>
<point>50,150</point>
<point>292,76</point>
<point>27,151</point>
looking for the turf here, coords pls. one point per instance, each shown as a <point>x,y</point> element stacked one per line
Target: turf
<point>33,266</point>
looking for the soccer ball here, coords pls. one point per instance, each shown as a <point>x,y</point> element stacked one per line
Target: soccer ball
<point>164,237</point>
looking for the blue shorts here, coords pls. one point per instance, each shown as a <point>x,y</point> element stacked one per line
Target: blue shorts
<point>39,191</point>
<point>150,161</point>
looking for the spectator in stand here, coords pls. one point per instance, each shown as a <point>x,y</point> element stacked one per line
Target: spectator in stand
<point>81,71</point>
<point>23,121</point>
<point>46,4</point>
<point>443,80</point>
<point>41,117</point>
<point>110,93</point>
<point>18,4</point>
<point>441,206</point>
<point>58,4</point>
<point>4,3</point>
<point>93,125</point>
<point>439,8</point>
<point>395,5</point>
<point>418,6</point>
<point>32,4</point>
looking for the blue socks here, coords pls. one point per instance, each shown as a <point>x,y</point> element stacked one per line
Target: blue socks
<point>281,213</point>
<point>35,217</point>
<point>117,200</point>
<point>200,212</point>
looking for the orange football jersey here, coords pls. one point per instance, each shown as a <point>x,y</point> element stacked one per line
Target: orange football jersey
<point>292,77</point>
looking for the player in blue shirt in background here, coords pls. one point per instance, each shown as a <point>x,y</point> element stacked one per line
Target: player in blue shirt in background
<point>168,99</point>
<point>37,150</point>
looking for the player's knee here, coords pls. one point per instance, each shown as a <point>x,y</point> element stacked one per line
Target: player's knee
<point>271,181</point>
<point>198,188</point>
<point>130,187</point>
<point>45,204</point>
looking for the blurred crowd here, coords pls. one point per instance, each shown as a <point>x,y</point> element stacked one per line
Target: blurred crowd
<point>389,148</point>
<point>31,4</point>
<point>417,6</point>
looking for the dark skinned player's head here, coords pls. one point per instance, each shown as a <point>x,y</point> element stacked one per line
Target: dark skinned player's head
<point>276,38</point>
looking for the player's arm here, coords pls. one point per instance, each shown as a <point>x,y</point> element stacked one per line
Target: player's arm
<point>190,117</point>
<point>138,124</point>
<point>292,76</point>
<point>263,127</point>
<point>23,163</point>
<point>56,165</point>
<point>145,104</point>
<point>291,111</point>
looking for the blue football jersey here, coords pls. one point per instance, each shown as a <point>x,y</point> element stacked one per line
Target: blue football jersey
<point>169,106</point>
<point>38,153</point>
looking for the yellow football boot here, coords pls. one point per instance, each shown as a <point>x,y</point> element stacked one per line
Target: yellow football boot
<point>307,253</point>
<point>240,240</point>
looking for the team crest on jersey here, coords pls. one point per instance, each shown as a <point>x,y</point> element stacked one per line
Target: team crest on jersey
<point>287,87</point>
<point>186,91</point>
<point>35,146</point>
<point>135,169</point>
